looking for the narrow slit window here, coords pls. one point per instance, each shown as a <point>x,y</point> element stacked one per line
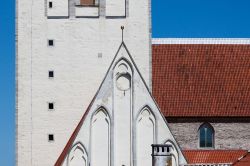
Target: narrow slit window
<point>50,4</point>
<point>50,43</point>
<point>51,106</point>
<point>51,137</point>
<point>206,136</point>
<point>51,74</point>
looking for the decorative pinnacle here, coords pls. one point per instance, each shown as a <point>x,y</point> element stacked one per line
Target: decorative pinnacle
<point>122,28</point>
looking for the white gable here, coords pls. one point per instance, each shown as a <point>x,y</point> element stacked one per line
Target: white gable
<point>122,122</point>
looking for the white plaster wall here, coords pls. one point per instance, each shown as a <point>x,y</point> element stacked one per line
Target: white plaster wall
<point>119,107</point>
<point>23,83</point>
<point>115,8</point>
<point>77,68</point>
<point>60,8</point>
<point>83,11</point>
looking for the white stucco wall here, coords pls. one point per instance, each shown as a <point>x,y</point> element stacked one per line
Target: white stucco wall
<point>83,50</point>
<point>115,8</point>
<point>60,8</point>
<point>134,121</point>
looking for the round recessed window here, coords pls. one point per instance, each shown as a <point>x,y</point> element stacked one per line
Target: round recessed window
<point>123,82</point>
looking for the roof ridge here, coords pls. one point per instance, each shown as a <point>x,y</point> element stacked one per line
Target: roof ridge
<point>215,150</point>
<point>200,40</point>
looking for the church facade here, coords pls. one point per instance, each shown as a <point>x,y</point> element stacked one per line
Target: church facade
<point>89,93</point>
<point>121,123</point>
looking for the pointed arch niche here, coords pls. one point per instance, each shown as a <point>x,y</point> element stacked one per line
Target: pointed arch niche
<point>100,138</point>
<point>122,112</point>
<point>145,136</point>
<point>123,75</point>
<point>206,136</point>
<point>174,159</point>
<point>78,156</point>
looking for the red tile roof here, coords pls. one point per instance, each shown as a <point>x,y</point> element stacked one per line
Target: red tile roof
<point>245,161</point>
<point>194,80</point>
<point>213,156</point>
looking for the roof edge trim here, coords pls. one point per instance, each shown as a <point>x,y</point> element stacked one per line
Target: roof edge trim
<point>200,41</point>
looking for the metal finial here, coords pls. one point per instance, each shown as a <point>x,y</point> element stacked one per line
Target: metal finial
<point>122,28</point>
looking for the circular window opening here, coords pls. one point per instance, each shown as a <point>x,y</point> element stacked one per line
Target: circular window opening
<point>123,82</point>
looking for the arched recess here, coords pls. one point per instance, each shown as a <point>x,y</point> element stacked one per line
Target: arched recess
<point>123,75</point>
<point>145,136</point>
<point>206,136</point>
<point>122,113</point>
<point>78,156</point>
<point>123,66</point>
<point>173,153</point>
<point>100,138</point>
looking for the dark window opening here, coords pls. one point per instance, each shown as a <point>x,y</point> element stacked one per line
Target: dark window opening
<point>50,4</point>
<point>87,2</point>
<point>51,106</point>
<point>51,137</point>
<point>51,74</point>
<point>206,133</point>
<point>51,42</point>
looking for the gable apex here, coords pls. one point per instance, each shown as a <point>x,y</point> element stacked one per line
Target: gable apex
<point>122,112</point>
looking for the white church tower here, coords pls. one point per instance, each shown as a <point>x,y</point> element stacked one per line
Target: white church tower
<point>64,48</point>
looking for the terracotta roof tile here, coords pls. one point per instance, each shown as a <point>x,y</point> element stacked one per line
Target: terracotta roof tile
<point>202,80</point>
<point>213,156</point>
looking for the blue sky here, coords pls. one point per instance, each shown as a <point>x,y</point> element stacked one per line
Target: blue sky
<point>201,18</point>
<point>7,83</point>
<point>170,18</point>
